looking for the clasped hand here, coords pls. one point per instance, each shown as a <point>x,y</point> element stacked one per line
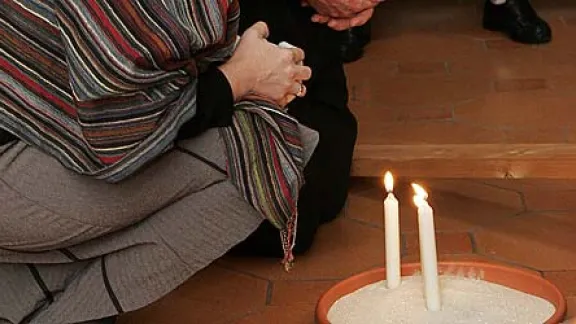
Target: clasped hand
<point>259,69</point>
<point>342,14</point>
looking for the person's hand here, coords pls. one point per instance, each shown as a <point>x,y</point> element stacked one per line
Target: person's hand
<point>344,23</point>
<point>263,70</point>
<point>341,8</point>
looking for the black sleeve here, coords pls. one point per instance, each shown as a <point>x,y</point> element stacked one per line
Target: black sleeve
<point>6,137</point>
<point>214,104</point>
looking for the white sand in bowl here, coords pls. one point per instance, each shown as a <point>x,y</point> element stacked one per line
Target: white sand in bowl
<point>464,301</point>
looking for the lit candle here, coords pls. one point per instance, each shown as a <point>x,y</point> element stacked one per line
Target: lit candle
<point>428,257</point>
<point>392,234</point>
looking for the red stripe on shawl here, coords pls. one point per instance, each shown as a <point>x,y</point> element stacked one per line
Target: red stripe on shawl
<point>111,29</point>
<point>110,159</point>
<point>131,16</point>
<point>27,102</point>
<point>30,17</point>
<point>35,87</point>
<point>224,6</point>
<point>283,185</point>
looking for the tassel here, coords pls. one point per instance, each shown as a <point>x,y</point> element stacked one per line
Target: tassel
<point>288,261</point>
<point>288,238</point>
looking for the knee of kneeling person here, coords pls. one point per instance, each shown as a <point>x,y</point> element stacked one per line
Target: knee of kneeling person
<point>352,121</point>
<point>346,120</point>
<point>349,124</point>
<point>302,247</point>
<point>304,241</point>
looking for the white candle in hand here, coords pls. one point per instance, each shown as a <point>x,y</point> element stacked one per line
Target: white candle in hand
<point>392,234</point>
<point>428,257</point>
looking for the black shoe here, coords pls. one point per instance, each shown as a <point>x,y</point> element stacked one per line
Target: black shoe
<point>518,20</point>
<point>353,42</point>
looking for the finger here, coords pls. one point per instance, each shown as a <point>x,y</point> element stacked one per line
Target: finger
<point>285,101</point>
<point>320,19</point>
<point>260,29</point>
<point>302,73</point>
<point>376,2</point>
<point>297,54</point>
<point>304,4</point>
<point>296,89</point>
<point>302,91</point>
<point>362,18</point>
<point>339,24</point>
<point>368,4</point>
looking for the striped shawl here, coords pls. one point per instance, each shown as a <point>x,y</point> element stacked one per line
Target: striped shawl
<point>105,85</point>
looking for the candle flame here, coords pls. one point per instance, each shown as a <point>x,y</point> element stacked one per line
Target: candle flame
<point>389,181</point>
<point>419,201</point>
<point>419,191</point>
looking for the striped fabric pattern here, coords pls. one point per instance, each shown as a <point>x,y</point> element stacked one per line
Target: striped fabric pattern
<point>266,164</point>
<point>104,85</point>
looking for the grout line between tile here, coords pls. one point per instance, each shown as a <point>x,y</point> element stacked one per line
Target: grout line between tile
<point>523,201</point>
<point>335,279</point>
<point>560,271</point>
<point>242,272</point>
<point>506,261</point>
<point>473,243</point>
<point>269,292</point>
<point>482,181</point>
<point>365,223</point>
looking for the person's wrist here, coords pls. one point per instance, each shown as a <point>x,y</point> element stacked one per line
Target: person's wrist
<point>240,82</point>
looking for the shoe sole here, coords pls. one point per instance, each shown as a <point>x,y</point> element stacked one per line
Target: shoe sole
<point>494,27</point>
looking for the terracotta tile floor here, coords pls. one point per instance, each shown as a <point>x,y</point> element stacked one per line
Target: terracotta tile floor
<point>431,76</point>
<point>529,224</point>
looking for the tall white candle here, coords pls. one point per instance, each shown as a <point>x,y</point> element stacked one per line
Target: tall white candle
<point>428,256</point>
<point>392,234</point>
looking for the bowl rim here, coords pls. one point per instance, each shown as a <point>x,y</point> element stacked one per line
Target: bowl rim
<point>323,305</point>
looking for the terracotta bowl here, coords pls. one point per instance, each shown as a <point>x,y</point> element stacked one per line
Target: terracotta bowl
<point>515,278</point>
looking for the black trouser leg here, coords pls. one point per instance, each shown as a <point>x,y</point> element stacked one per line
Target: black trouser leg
<point>327,180</point>
<point>353,42</point>
<point>324,109</point>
